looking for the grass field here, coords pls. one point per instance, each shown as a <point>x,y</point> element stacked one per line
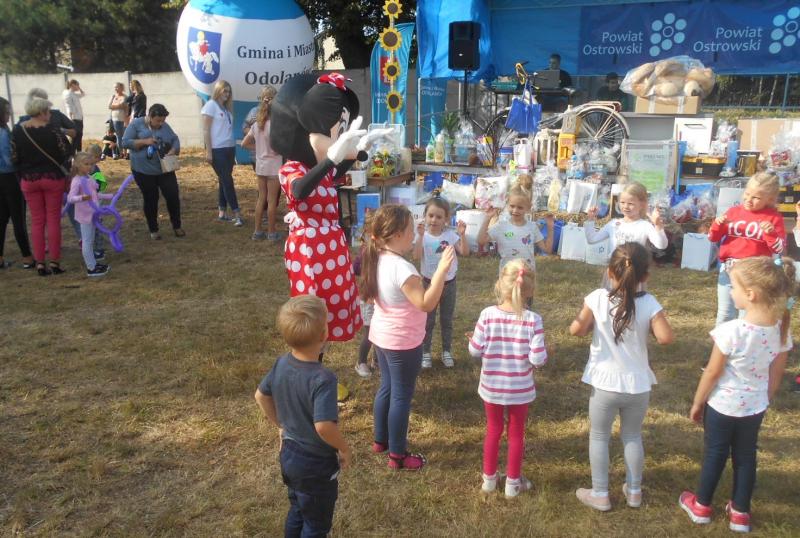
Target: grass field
<point>126,406</point>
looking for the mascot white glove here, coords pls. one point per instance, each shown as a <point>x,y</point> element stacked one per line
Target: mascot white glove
<point>345,146</point>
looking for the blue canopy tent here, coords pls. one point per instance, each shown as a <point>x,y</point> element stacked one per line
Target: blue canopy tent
<point>594,37</point>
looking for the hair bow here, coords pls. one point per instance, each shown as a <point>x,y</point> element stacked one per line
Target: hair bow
<point>334,79</point>
<point>778,262</point>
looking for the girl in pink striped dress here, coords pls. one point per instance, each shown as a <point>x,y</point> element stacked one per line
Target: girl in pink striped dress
<point>510,342</point>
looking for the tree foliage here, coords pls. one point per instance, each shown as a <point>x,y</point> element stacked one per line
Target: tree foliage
<point>354,24</point>
<point>90,35</point>
<point>139,35</point>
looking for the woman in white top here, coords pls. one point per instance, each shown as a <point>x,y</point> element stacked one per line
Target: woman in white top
<point>118,105</point>
<point>618,369</point>
<point>72,96</point>
<point>221,147</point>
<point>267,165</point>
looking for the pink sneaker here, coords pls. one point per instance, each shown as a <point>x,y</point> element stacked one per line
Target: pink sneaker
<point>634,499</point>
<point>379,448</point>
<point>697,512</point>
<point>406,462</point>
<point>739,521</point>
<point>587,497</point>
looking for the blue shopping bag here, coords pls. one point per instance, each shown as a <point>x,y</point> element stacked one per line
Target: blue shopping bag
<point>524,114</point>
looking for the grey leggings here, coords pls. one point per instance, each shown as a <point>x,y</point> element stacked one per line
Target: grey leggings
<point>603,409</point>
<point>446,308</point>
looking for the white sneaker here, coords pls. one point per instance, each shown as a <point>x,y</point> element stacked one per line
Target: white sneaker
<point>447,359</point>
<point>426,360</point>
<point>489,483</point>
<point>363,370</point>
<point>515,487</point>
<point>238,222</point>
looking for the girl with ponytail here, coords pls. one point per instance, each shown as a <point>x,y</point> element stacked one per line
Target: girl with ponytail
<point>618,369</point>
<point>509,339</point>
<point>398,324</point>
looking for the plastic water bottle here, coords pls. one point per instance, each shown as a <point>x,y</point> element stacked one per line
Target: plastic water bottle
<point>151,150</point>
<point>564,200</point>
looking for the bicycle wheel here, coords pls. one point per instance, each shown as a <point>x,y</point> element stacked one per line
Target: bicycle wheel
<point>500,134</point>
<point>603,126</point>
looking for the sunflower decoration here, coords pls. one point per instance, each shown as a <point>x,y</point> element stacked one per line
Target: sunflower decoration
<point>391,70</point>
<point>390,39</point>
<point>392,8</point>
<point>394,101</point>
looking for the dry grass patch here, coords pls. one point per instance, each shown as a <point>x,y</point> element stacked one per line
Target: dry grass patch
<point>127,409</point>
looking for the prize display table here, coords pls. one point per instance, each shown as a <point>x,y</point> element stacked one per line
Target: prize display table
<point>347,196</point>
<point>452,168</point>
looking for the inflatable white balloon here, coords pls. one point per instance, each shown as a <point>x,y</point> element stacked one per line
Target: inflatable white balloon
<point>249,43</point>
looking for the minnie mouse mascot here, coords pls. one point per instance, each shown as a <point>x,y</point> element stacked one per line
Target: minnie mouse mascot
<point>316,127</point>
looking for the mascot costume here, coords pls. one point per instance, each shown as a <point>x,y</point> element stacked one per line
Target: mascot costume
<point>315,126</point>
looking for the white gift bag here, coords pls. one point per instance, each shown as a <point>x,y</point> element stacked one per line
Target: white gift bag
<point>473,218</point>
<point>419,213</point>
<point>572,245</point>
<point>491,192</point>
<point>523,152</point>
<point>728,198</point>
<point>598,253</point>
<point>698,252</point>
<point>582,196</point>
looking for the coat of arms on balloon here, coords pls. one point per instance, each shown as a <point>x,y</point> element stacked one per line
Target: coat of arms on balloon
<point>204,54</point>
<point>248,43</point>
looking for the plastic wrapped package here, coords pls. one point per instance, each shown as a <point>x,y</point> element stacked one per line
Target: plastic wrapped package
<point>668,79</point>
<point>463,195</point>
<point>491,192</point>
<point>554,197</point>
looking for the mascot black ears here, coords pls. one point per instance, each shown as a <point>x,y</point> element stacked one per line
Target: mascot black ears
<point>309,104</point>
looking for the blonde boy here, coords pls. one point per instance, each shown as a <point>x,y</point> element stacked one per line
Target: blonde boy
<point>298,395</point>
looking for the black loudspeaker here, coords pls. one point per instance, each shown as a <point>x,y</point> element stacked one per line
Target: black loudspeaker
<point>463,54</point>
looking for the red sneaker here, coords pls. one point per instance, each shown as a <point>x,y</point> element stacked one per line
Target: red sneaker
<point>406,462</point>
<point>697,512</point>
<point>739,521</point>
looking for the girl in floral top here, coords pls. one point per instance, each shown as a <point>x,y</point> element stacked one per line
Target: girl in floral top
<point>741,377</point>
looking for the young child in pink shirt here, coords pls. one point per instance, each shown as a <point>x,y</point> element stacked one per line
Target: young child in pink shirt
<point>398,324</point>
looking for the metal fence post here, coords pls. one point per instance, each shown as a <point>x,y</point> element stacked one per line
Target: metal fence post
<point>786,91</point>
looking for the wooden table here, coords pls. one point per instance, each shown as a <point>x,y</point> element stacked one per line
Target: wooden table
<point>389,181</point>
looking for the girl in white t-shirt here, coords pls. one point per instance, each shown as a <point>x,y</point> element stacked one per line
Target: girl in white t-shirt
<point>267,165</point>
<point>398,325</point>
<point>618,369</point>
<point>516,237</point>
<point>428,248</point>
<point>635,225</point>
<point>741,377</point>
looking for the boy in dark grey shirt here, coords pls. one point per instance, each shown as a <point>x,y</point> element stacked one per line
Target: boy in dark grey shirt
<point>299,396</point>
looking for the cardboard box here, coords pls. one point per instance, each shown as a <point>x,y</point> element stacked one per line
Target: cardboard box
<point>685,106</point>
<point>757,134</point>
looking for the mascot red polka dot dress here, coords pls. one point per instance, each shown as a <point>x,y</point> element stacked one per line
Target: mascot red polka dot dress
<point>311,127</point>
<point>317,257</point>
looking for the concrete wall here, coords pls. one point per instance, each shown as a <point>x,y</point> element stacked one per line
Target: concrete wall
<point>172,90</point>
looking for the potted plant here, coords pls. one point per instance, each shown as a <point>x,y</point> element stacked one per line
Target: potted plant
<point>450,122</point>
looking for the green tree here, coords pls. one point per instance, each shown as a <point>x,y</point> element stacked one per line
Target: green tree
<point>91,35</point>
<point>354,24</point>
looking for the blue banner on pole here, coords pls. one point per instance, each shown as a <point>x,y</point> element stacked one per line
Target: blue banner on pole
<point>381,86</point>
<point>432,104</point>
<point>726,36</point>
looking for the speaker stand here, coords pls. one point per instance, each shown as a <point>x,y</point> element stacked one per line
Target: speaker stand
<point>464,89</point>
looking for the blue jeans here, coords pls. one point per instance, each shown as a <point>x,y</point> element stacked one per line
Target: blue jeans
<point>222,160</point>
<point>726,310</point>
<point>313,486</point>
<point>119,130</point>
<point>737,436</point>
<point>399,370</point>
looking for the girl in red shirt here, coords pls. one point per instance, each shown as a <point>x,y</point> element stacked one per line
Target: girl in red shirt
<point>753,228</point>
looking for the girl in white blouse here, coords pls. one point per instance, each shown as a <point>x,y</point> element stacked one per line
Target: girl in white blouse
<point>618,369</point>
